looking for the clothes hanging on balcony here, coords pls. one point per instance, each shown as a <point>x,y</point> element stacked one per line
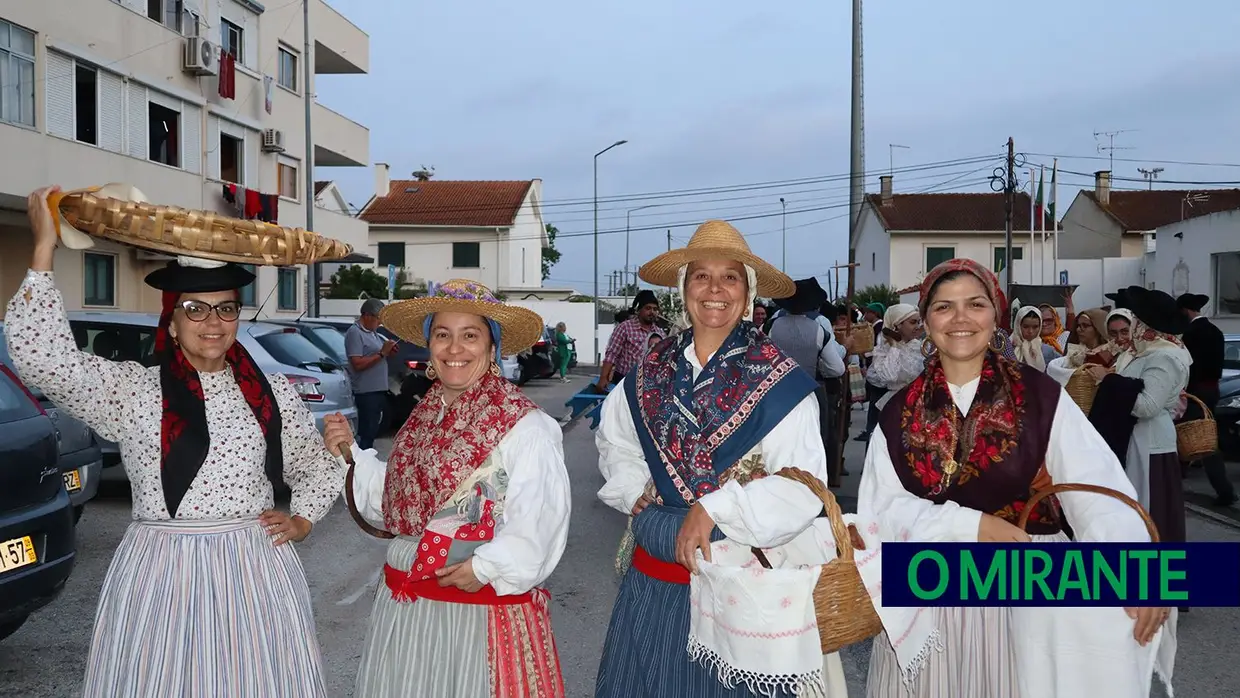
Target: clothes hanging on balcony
<point>269,205</point>
<point>236,195</point>
<point>228,75</point>
<point>267,83</point>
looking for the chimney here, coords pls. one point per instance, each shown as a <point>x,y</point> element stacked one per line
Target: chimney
<point>884,185</point>
<point>1102,186</point>
<point>382,181</point>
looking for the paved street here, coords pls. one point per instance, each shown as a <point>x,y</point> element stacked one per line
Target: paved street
<point>44,659</point>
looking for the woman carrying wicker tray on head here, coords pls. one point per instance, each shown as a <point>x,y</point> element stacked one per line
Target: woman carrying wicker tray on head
<point>956,457</point>
<point>203,597</point>
<point>701,415</point>
<point>477,497</point>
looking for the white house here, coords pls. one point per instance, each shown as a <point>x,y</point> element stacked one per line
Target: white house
<point>99,91</point>
<point>488,231</point>
<point>1202,255</point>
<point>902,236</point>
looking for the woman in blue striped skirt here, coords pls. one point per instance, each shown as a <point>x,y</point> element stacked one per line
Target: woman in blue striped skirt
<point>204,598</point>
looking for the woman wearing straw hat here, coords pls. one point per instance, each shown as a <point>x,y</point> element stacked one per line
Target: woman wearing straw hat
<point>477,496</point>
<point>204,596</point>
<point>955,458</point>
<point>671,441</point>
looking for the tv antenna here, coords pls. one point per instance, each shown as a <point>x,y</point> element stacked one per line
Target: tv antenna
<point>891,157</point>
<point>1150,175</point>
<point>1110,147</point>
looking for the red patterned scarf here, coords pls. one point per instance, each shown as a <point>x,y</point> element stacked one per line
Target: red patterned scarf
<point>184,437</point>
<point>432,457</point>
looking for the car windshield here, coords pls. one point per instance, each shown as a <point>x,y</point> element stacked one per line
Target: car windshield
<point>14,404</point>
<point>292,349</point>
<point>1231,353</point>
<point>330,340</point>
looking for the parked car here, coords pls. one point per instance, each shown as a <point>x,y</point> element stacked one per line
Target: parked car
<point>322,384</point>
<point>1227,412</point>
<point>37,545</point>
<point>81,459</point>
<point>1231,356</point>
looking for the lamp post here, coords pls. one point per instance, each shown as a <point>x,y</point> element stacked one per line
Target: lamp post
<point>626,248</point>
<point>597,353</point>
<point>783,225</point>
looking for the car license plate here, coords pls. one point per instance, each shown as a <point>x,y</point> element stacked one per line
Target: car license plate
<point>73,480</point>
<point>15,553</point>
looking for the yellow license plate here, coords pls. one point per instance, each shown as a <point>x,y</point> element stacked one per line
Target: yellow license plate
<point>15,553</point>
<point>73,481</point>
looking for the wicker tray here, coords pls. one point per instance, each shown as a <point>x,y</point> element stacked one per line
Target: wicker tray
<point>1082,388</point>
<point>1095,489</point>
<point>1197,438</point>
<point>178,231</point>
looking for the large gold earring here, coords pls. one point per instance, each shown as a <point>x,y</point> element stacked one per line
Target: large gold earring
<point>928,348</point>
<point>431,374</point>
<point>495,370</point>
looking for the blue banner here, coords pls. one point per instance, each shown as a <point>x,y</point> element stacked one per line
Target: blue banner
<point>1061,574</point>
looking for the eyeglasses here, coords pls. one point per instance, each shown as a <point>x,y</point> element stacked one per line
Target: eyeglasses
<point>198,311</point>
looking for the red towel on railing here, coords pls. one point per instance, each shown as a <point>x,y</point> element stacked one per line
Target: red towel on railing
<point>228,75</point>
<point>252,203</point>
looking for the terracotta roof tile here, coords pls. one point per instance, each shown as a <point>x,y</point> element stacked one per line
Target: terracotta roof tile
<point>449,203</point>
<point>1139,211</point>
<point>320,186</point>
<point>952,212</point>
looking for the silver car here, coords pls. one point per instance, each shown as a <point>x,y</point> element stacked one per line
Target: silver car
<point>124,336</point>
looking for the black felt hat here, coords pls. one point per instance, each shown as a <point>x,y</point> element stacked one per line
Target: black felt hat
<point>809,296</point>
<point>1121,297</point>
<point>1192,301</point>
<point>1156,309</point>
<point>644,297</point>
<point>182,276</point>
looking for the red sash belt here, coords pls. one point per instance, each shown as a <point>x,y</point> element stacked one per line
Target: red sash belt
<point>653,567</point>
<point>405,588</point>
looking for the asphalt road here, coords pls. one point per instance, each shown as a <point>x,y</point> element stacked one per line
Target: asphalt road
<point>45,658</point>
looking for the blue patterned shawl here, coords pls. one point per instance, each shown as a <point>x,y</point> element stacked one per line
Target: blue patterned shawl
<point>691,432</point>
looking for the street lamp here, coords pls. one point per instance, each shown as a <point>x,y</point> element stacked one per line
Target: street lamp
<point>783,224</point>
<point>597,353</point>
<point>626,248</point>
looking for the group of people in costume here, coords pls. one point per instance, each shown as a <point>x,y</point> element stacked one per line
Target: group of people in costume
<point>206,598</point>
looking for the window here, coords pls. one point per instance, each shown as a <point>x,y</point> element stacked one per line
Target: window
<point>86,105</point>
<point>230,39</point>
<point>937,255</point>
<point>249,293</point>
<point>391,253</point>
<point>100,283</point>
<point>1227,283</point>
<point>16,75</point>
<point>287,289</point>
<point>287,180</point>
<point>293,349</point>
<point>163,128</point>
<point>466,255</point>
<point>287,76</point>
<point>1001,252</point>
<point>232,158</point>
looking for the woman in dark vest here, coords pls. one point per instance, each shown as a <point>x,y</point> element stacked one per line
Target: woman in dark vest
<point>955,458</point>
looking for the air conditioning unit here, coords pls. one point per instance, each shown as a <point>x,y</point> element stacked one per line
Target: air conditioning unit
<point>201,57</point>
<point>273,141</point>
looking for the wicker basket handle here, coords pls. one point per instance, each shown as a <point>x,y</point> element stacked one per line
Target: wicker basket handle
<point>1209,416</point>
<point>843,541</point>
<point>361,522</point>
<point>1094,489</point>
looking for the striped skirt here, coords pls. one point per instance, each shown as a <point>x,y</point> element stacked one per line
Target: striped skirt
<point>428,648</point>
<point>204,610</point>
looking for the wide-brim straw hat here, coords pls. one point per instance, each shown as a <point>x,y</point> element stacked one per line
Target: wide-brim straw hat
<point>717,240</point>
<point>520,328</point>
<point>120,213</point>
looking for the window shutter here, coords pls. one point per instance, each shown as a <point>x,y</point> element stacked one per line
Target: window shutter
<point>111,112</point>
<point>191,138</point>
<point>136,107</point>
<point>213,146</point>
<point>60,85</point>
<point>165,100</point>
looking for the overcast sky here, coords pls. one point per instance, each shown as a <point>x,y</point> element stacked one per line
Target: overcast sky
<point>730,95</point>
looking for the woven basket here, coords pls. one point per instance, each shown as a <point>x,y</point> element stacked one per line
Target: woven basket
<point>1197,438</point>
<point>843,607</point>
<point>1095,489</point>
<point>863,338</point>
<point>1082,388</point>
<point>178,231</point>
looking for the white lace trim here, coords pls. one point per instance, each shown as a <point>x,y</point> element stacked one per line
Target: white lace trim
<point>810,684</point>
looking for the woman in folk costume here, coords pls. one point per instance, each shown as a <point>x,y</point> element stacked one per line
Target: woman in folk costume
<point>1054,334</point>
<point>684,443</point>
<point>1031,349</point>
<point>1145,386</point>
<point>204,596</point>
<point>1087,344</point>
<point>898,359</point>
<point>477,496</point>
<point>956,456</point>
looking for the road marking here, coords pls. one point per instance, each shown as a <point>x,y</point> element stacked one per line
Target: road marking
<point>368,586</point>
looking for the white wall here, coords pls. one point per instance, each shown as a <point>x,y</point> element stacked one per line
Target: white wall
<point>1190,264</point>
<point>908,253</point>
<point>428,252</point>
<point>1093,277</point>
<point>523,249</point>
<point>873,252</point>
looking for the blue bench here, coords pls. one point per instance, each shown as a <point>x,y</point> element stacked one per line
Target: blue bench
<point>586,403</point>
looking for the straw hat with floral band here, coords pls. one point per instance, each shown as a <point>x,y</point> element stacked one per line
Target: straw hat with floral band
<point>516,328</point>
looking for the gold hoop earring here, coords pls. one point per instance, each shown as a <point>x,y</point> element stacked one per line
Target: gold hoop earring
<point>996,342</point>
<point>431,374</point>
<point>928,348</point>
<point>495,370</point>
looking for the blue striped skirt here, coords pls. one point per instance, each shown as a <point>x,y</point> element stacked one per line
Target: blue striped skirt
<point>204,609</point>
<point>645,654</point>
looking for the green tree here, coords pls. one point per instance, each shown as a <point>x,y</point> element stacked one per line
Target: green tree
<point>880,293</point>
<point>356,282</point>
<point>550,255</point>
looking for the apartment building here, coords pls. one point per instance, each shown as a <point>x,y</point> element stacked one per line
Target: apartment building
<point>197,104</point>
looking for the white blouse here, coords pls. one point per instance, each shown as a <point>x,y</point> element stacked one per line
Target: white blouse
<point>532,531</point>
<point>122,402</point>
<point>767,512</point>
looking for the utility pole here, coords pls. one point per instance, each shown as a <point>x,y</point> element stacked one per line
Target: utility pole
<point>669,239</point>
<point>1150,175</point>
<point>1003,179</point>
<point>597,352</point>
<point>856,192</point>
<point>316,269</point>
<point>783,225</point>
